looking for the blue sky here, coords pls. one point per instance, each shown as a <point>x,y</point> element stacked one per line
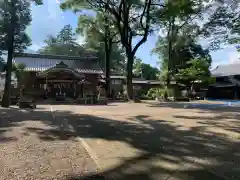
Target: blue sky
<point>48,19</point>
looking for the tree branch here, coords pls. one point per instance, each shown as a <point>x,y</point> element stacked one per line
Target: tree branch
<point>146,29</point>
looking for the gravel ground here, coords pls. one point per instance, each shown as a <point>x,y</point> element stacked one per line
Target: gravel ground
<point>172,134</point>
<point>24,156</point>
<point>147,141</point>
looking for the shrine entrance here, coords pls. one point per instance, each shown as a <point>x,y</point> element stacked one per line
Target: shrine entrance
<point>61,82</point>
<point>60,87</point>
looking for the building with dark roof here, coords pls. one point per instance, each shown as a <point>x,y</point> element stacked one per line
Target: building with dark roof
<point>51,76</point>
<point>39,62</point>
<point>227,84</point>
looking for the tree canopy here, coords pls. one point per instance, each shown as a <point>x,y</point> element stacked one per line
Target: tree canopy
<point>131,18</point>
<point>22,18</point>
<point>194,70</point>
<point>185,52</point>
<point>15,15</point>
<point>93,29</point>
<point>63,44</point>
<point>143,70</point>
<point>223,24</point>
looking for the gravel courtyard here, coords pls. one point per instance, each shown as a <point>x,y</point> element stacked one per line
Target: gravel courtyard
<point>121,141</point>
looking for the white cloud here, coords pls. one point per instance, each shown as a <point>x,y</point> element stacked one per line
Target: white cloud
<point>234,57</point>
<point>80,40</point>
<point>35,47</point>
<point>58,2</point>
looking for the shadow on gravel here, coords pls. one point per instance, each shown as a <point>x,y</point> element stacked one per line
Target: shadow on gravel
<point>157,139</point>
<point>226,120</point>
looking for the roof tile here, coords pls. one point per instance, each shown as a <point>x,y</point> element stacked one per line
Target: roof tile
<point>226,70</point>
<point>36,62</point>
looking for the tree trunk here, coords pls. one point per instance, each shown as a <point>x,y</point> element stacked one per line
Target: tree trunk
<point>107,71</point>
<point>129,76</point>
<point>170,51</point>
<point>10,41</point>
<point>169,64</point>
<point>108,49</point>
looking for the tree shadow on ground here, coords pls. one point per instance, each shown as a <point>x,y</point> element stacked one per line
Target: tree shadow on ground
<point>15,117</point>
<point>184,152</point>
<point>227,121</point>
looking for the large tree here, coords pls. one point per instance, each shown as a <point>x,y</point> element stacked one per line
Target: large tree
<point>102,37</point>
<point>178,23</point>
<point>15,15</point>
<point>186,51</point>
<point>132,19</point>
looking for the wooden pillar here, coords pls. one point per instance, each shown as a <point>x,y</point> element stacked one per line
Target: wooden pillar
<point>235,92</point>
<point>82,89</point>
<point>74,93</point>
<point>46,90</point>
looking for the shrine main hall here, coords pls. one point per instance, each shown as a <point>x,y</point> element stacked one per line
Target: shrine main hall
<point>66,77</point>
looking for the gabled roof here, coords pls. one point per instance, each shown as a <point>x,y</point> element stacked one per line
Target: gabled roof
<point>226,70</point>
<point>40,62</point>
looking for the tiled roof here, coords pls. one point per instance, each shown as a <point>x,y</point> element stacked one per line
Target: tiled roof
<point>226,70</point>
<point>223,85</point>
<point>38,62</point>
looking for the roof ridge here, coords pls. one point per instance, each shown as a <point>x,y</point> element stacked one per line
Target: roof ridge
<point>234,64</point>
<point>50,56</point>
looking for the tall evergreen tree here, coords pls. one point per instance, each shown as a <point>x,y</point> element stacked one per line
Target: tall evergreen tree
<point>101,35</point>
<point>15,15</point>
<point>63,44</point>
<point>66,35</point>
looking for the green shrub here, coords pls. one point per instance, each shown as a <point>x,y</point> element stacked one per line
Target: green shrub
<point>155,92</point>
<point>159,92</point>
<point>170,92</point>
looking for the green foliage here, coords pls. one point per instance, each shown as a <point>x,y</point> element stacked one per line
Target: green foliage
<point>211,80</point>
<point>160,93</point>
<point>131,19</point>
<point>223,25</point>
<point>143,70</point>
<point>141,93</point>
<point>177,45</point>
<point>63,44</point>
<point>15,16</point>
<point>66,35</point>
<point>155,93</point>
<point>94,31</point>
<point>185,52</point>
<point>196,69</point>
<point>22,18</point>
<point>19,70</point>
